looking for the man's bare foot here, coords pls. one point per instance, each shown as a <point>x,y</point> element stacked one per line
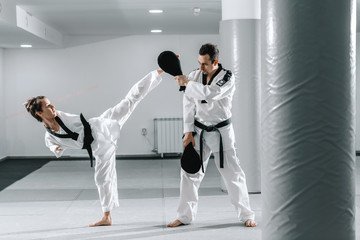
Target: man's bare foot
<point>105,221</point>
<point>250,223</point>
<point>175,223</point>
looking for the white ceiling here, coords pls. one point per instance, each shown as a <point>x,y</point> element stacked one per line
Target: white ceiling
<point>83,21</point>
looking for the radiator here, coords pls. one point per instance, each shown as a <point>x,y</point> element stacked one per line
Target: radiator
<point>168,134</point>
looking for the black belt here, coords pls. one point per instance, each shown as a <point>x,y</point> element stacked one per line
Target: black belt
<point>69,133</point>
<point>212,129</point>
<point>88,138</point>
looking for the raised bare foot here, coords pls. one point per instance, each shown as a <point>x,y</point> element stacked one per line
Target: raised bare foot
<point>250,223</point>
<point>175,223</point>
<point>105,221</point>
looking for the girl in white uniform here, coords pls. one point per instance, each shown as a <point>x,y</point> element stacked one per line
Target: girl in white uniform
<point>105,131</point>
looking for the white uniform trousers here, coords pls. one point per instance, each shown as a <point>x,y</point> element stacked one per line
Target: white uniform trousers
<point>106,182</point>
<point>235,182</point>
<point>105,167</point>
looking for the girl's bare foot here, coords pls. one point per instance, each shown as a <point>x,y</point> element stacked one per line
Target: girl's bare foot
<point>175,223</point>
<point>105,221</point>
<point>250,223</point>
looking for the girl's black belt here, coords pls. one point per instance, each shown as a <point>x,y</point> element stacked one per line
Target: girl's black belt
<point>88,138</point>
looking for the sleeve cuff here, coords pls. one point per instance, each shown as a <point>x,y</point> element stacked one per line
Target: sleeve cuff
<point>156,75</point>
<point>56,153</point>
<point>189,128</point>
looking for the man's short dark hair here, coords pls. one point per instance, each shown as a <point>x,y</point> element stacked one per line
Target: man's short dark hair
<point>211,49</point>
<point>34,105</point>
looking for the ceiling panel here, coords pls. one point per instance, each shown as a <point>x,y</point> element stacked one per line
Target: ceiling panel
<point>102,19</point>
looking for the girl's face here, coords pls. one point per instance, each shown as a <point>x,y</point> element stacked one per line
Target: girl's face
<point>48,110</point>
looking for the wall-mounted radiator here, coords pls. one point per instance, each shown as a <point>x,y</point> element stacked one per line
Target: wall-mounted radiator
<point>168,134</point>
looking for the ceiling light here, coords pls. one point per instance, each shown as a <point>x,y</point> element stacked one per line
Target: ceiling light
<point>155,11</point>
<point>25,45</point>
<point>156,31</point>
<point>196,11</point>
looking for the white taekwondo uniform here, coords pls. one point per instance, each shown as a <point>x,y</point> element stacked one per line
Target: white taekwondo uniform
<point>210,105</point>
<point>105,130</point>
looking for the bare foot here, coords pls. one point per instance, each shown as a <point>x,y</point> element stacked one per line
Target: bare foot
<point>250,223</point>
<point>175,223</point>
<point>105,221</point>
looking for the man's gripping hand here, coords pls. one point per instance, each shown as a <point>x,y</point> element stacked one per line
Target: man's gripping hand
<point>188,138</point>
<point>181,80</point>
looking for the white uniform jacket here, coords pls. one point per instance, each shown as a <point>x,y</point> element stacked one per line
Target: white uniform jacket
<point>104,131</point>
<point>106,128</point>
<point>210,104</point>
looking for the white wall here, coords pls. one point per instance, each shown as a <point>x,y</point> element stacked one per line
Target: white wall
<point>3,152</point>
<point>89,79</point>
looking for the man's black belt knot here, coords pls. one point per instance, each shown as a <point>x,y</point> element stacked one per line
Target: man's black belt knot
<point>212,128</point>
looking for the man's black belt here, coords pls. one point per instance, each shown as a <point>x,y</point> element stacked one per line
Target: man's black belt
<point>88,138</point>
<point>212,129</point>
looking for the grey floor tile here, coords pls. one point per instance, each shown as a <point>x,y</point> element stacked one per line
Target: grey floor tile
<point>29,195</point>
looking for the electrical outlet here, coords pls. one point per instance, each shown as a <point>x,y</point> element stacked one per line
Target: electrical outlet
<point>144,131</point>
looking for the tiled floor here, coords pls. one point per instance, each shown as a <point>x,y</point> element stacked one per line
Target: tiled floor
<point>58,200</point>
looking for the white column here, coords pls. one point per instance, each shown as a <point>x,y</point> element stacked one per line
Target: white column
<point>240,53</point>
<point>240,9</point>
<point>2,107</point>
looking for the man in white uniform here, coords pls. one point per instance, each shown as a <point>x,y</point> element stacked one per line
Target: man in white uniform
<point>207,106</point>
<point>99,136</point>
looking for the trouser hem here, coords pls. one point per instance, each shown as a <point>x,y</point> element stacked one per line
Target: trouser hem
<point>247,217</point>
<point>108,209</point>
<point>184,221</point>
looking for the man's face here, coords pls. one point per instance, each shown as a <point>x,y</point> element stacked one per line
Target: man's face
<point>48,110</point>
<point>206,66</point>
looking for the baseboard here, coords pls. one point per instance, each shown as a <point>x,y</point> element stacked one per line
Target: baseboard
<point>118,157</point>
<point>149,156</point>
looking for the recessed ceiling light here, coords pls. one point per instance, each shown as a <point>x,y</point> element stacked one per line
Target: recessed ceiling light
<point>156,31</point>
<point>25,45</point>
<point>196,11</point>
<point>155,11</point>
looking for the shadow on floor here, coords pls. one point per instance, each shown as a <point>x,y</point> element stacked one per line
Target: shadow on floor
<point>12,170</point>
